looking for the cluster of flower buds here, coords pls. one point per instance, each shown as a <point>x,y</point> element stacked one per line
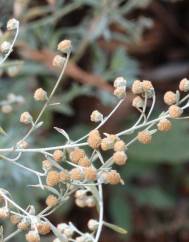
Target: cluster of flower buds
<point>120,87</point>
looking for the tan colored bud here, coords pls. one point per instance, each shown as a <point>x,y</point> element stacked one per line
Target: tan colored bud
<point>64,175</point>
<point>12,24</point>
<point>90,173</point>
<point>120,92</point>
<point>119,145</point>
<point>94,139</point>
<point>32,236</point>
<point>76,155</point>
<point>138,102</point>
<point>58,155</point>
<point>144,137</point>
<point>96,116</point>
<point>164,125</point>
<point>26,118</point>
<point>76,174</point>
<point>51,201</point>
<point>184,85</point>
<point>43,228</point>
<point>52,178</point>
<point>65,46</point>
<point>58,61</point>
<point>84,162</point>
<point>119,158</point>
<point>170,98</point>
<point>175,111</point>
<point>137,87</point>
<point>40,95</point>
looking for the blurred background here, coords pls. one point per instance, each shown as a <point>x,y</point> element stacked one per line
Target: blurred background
<point>145,39</point>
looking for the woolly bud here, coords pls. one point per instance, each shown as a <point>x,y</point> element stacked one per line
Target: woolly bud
<point>90,202</point>
<point>52,178</point>
<point>5,47</point>
<point>43,228</point>
<point>80,194</point>
<point>175,111</point>
<point>64,176</point>
<point>94,139</point>
<point>184,85</point>
<point>92,224</point>
<point>15,219</point>
<point>90,173</point>
<point>23,225</point>
<point>147,86</point>
<point>120,92</point>
<point>22,144</point>
<point>144,137</point>
<point>4,213</point>
<point>119,145</point>
<point>12,24</point>
<point>96,116</point>
<point>84,162</point>
<point>138,102</point>
<point>137,87</point>
<point>32,236</point>
<point>120,82</point>
<point>108,142</point>
<point>46,164</point>
<point>7,108</point>
<point>65,46</point>
<point>58,155</point>
<point>51,201</point>
<point>40,95</point>
<point>26,118</point>
<point>119,158</point>
<point>80,203</point>
<point>164,125</point>
<point>170,98</point>
<point>58,61</point>
<point>113,177</point>
<point>76,155</point>
<point>76,174</point>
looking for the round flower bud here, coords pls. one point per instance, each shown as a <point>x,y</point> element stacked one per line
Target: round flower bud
<point>40,95</point>
<point>76,155</point>
<point>46,164</point>
<point>144,137</point>
<point>90,202</point>
<point>80,203</point>
<point>84,162</point>
<point>58,155</point>
<point>5,47</point>
<point>108,142</point>
<point>184,85</point>
<point>92,224</point>
<point>22,144</point>
<point>80,194</point>
<point>147,86</point>
<point>64,46</point>
<point>76,174</point>
<point>138,102</point>
<point>25,118</point>
<point>120,92</point>
<point>64,176</point>
<point>175,111</point>
<point>23,225</point>
<point>96,116</point>
<point>120,82</point>
<point>119,145</point>
<point>119,158</point>
<point>52,178</point>
<point>51,201</point>
<point>58,61</point>
<point>43,228</point>
<point>12,24</point>
<point>4,213</point>
<point>32,236</point>
<point>164,125</point>
<point>15,219</point>
<point>113,177</point>
<point>170,98</point>
<point>94,139</point>
<point>137,87</point>
<point>7,108</point>
<point>90,173</point>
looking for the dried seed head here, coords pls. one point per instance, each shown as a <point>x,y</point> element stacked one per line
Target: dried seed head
<point>22,144</point>
<point>76,174</point>
<point>52,178</point>
<point>94,139</point>
<point>90,174</point>
<point>7,108</point>
<point>147,86</point>
<point>96,116</point>
<point>26,118</point>
<point>92,224</point>
<point>12,24</point>
<point>120,92</point>
<point>51,201</point>
<point>119,145</point>
<point>175,111</point>
<point>32,236</point>
<point>164,125</point>
<point>119,158</point>
<point>43,228</point>
<point>76,155</point>
<point>108,142</point>
<point>15,219</point>
<point>120,82</point>
<point>40,95</point>
<point>58,155</point>
<point>5,47</point>
<point>137,87</point>
<point>170,98</point>
<point>46,164</point>
<point>84,162</point>
<point>144,137</point>
<point>90,202</point>
<point>184,85</point>
<point>4,213</point>
<point>58,61</point>
<point>138,102</point>
<point>80,203</point>
<point>65,46</point>
<point>23,225</point>
<point>64,175</point>
<point>113,177</point>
